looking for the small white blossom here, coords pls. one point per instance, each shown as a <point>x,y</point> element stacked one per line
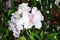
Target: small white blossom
<point>58,27</point>
<point>56,2</point>
<point>48,12</point>
<point>41,7</point>
<point>47,26</point>
<point>50,5</point>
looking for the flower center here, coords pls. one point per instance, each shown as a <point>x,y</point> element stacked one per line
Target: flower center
<point>31,16</point>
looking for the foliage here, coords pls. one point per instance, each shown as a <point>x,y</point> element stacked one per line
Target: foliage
<point>44,33</point>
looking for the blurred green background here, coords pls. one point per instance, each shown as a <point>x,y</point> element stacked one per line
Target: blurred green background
<point>52,19</point>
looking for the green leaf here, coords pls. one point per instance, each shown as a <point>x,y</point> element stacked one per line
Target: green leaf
<point>22,38</point>
<point>40,1</point>
<point>1,0</point>
<point>7,31</point>
<point>58,35</point>
<point>42,35</point>
<point>43,25</point>
<point>31,35</point>
<point>37,36</point>
<point>11,11</point>
<point>34,3</point>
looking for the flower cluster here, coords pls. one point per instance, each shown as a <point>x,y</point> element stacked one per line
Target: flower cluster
<point>23,18</point>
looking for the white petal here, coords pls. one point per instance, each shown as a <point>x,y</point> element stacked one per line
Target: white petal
<point>57,1</point>
<point>38,15</point>
<point>28,25</point>
<point>38,24</point>
<point>50,5</point>
<point>47,26</point>
<point>19,27</point>
<point>19,11</point>
<point>41,18</point>
<point>24,4</point>
<point>16,34</point>
<point>25,16</point>
<point>48,12</point>
<point>13,29</point>
<point>34,9</point>
<point>20,22</point>
<point>13,20</point>
<point>24,7</point>
<point>28,9</point>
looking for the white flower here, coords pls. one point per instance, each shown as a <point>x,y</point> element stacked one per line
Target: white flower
<point>58,28</point>
<point>30,19</point>
<point>48,12</point>
<point>50,5</point>
<point>56,2</point>
<point>13,25</point>
<point>41,7</point>
<point>22,18</point>
<point>47,26</point>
